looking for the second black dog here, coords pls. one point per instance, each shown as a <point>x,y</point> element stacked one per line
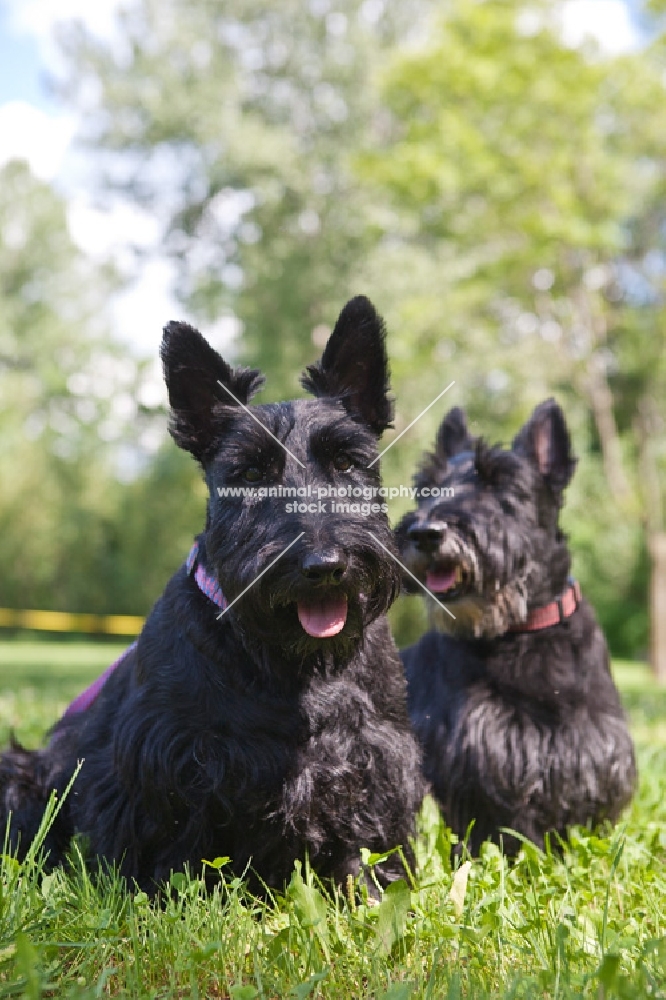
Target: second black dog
<point>519,719</point>
<point>279,729</point>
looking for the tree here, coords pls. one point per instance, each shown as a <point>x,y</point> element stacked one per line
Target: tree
<point>531,169</point>
<point>61,382</point>
<point>489,195</point>
<point>234,123</point>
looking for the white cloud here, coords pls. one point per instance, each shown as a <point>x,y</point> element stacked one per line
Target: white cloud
<point>38,17</point>
<point>101,233</point>
<point>608,22</point>
<point>30,134</point>
<point>143,309</point>
<point>115,232</point>
<point>147,304</point>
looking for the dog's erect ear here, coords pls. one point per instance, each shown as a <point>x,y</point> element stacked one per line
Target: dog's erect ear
<point>545,441</point>
<point>354,367</point>
<point>193,372</point>
<point>453,436</point>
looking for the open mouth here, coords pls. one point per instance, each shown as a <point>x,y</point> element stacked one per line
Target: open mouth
<point>323,617</point>
<point>446,578</point>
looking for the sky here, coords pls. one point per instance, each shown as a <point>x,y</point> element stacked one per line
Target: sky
<point>34,126</point>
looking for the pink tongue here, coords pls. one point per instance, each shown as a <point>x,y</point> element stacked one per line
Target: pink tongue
<point>440,582</point>
<point>324,618</point>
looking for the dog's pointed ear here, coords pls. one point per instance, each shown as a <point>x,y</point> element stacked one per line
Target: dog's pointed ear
<point>354,366</point>
<point>453,436</point>
<point>201,386</point>
<point>545,440</point>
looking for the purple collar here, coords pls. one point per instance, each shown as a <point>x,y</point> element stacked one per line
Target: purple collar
<point>87,697</point>
<point>208,585</point>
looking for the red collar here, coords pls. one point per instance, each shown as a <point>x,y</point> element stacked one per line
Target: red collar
<point>554,613</point>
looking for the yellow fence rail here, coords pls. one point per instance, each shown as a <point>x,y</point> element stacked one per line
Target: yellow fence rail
<point>64,621</point>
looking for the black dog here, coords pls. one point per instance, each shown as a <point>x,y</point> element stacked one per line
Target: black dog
<point>519,719</point>
<point>262,712</point>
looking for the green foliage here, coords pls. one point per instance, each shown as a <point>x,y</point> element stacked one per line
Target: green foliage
<point>499,194</point>
<point>526,178</point>
<point>63,386</point>
<point>254,110</point>
<point>72,536</point>
<point>505,142</point>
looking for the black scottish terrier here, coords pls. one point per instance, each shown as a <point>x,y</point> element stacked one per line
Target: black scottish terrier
<point>262,712</point>
<point>512,698</point>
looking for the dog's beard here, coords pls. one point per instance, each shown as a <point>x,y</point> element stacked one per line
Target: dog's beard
<point>282,613</point>
<point>274,636</point>
<point>478,616</point>
<point>471,601</point>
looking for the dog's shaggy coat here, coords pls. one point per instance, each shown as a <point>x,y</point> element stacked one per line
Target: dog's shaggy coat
<point>281,729</point>
<point>520,729</point>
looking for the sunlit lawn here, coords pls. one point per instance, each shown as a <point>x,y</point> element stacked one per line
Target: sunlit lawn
<point>39,678</point>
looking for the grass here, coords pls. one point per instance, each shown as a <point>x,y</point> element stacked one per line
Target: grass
<point>38,679</point>
<point>589,923</point>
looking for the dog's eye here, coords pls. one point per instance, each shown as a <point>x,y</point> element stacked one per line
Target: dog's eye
<point>342,462</point>
<point>253,474</point>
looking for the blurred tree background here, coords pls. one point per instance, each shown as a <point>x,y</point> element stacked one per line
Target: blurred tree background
<point>498,193</point>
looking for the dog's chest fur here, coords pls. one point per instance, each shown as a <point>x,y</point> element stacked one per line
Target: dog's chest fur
<point>526,731</point>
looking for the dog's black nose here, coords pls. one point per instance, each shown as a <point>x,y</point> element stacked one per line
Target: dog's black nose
<point>325,567</point>
<point>426,537</point>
